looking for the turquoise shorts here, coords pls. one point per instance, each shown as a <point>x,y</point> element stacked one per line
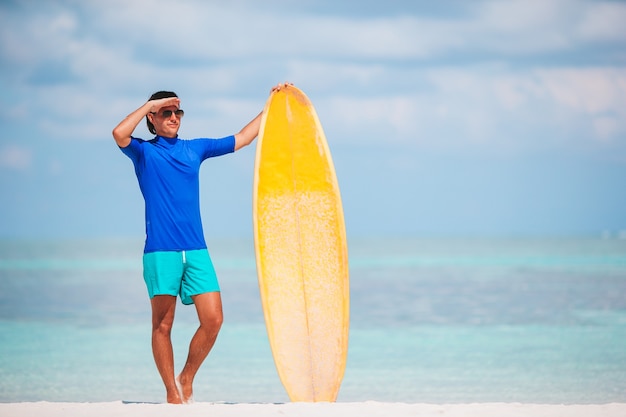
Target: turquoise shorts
<point>185,273</point>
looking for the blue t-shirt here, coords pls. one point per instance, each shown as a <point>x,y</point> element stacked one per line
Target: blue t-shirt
<point>168,173</point>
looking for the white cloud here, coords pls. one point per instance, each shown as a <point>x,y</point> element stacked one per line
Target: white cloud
<point>587,90</point>
<point>223,31</point>
<point>110,34</point>
<point>607,128</point>
<point>522,27</point>
<point>604,22</point>
<point>375,74</point>
<point>376,120</point>
<point>494,107</point>
<point>16,158</point>
<point>39,37</point>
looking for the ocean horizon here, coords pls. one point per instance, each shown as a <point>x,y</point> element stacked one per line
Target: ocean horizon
<point>433,320</point>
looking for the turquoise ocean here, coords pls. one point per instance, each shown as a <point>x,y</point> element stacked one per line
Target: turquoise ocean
<point>434,320</point>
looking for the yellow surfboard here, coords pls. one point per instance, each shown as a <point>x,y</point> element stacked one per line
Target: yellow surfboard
<point>301,249</point>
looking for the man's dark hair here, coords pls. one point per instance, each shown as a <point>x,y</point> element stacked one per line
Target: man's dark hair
<point>156,96</point>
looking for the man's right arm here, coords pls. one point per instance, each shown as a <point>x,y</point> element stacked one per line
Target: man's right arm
<point>125,129</point>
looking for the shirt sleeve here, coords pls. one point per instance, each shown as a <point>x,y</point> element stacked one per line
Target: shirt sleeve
<point>134,150</point>
<point>208,148</point>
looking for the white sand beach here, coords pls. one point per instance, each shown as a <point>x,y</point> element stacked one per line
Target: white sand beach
<point>361,409</point>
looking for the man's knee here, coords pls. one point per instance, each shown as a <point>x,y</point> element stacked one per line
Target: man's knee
<point>209,307</point>
<point>212,321</point>
<point>163,327</point>
<point>163,308</point>
<point>218,320</point>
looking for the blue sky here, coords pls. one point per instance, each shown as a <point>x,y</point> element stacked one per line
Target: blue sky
<point>481,118</point>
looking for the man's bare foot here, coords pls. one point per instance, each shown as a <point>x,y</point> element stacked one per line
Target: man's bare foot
<point>185,388</point>
<point>174,396</point>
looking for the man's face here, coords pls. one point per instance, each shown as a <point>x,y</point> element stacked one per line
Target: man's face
<point>166,121</point>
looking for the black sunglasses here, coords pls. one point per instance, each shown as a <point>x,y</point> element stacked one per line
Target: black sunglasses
<point>166,114</point>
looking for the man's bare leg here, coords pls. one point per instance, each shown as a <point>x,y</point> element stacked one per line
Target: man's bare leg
<point>163,308</point>
<point>209,309</point>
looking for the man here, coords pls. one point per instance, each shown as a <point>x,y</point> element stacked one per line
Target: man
<point>176,261</point>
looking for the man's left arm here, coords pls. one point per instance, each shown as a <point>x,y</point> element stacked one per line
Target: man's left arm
<point>248,133</point>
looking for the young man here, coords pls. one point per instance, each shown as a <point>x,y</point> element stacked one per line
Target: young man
<point>176,261</point>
